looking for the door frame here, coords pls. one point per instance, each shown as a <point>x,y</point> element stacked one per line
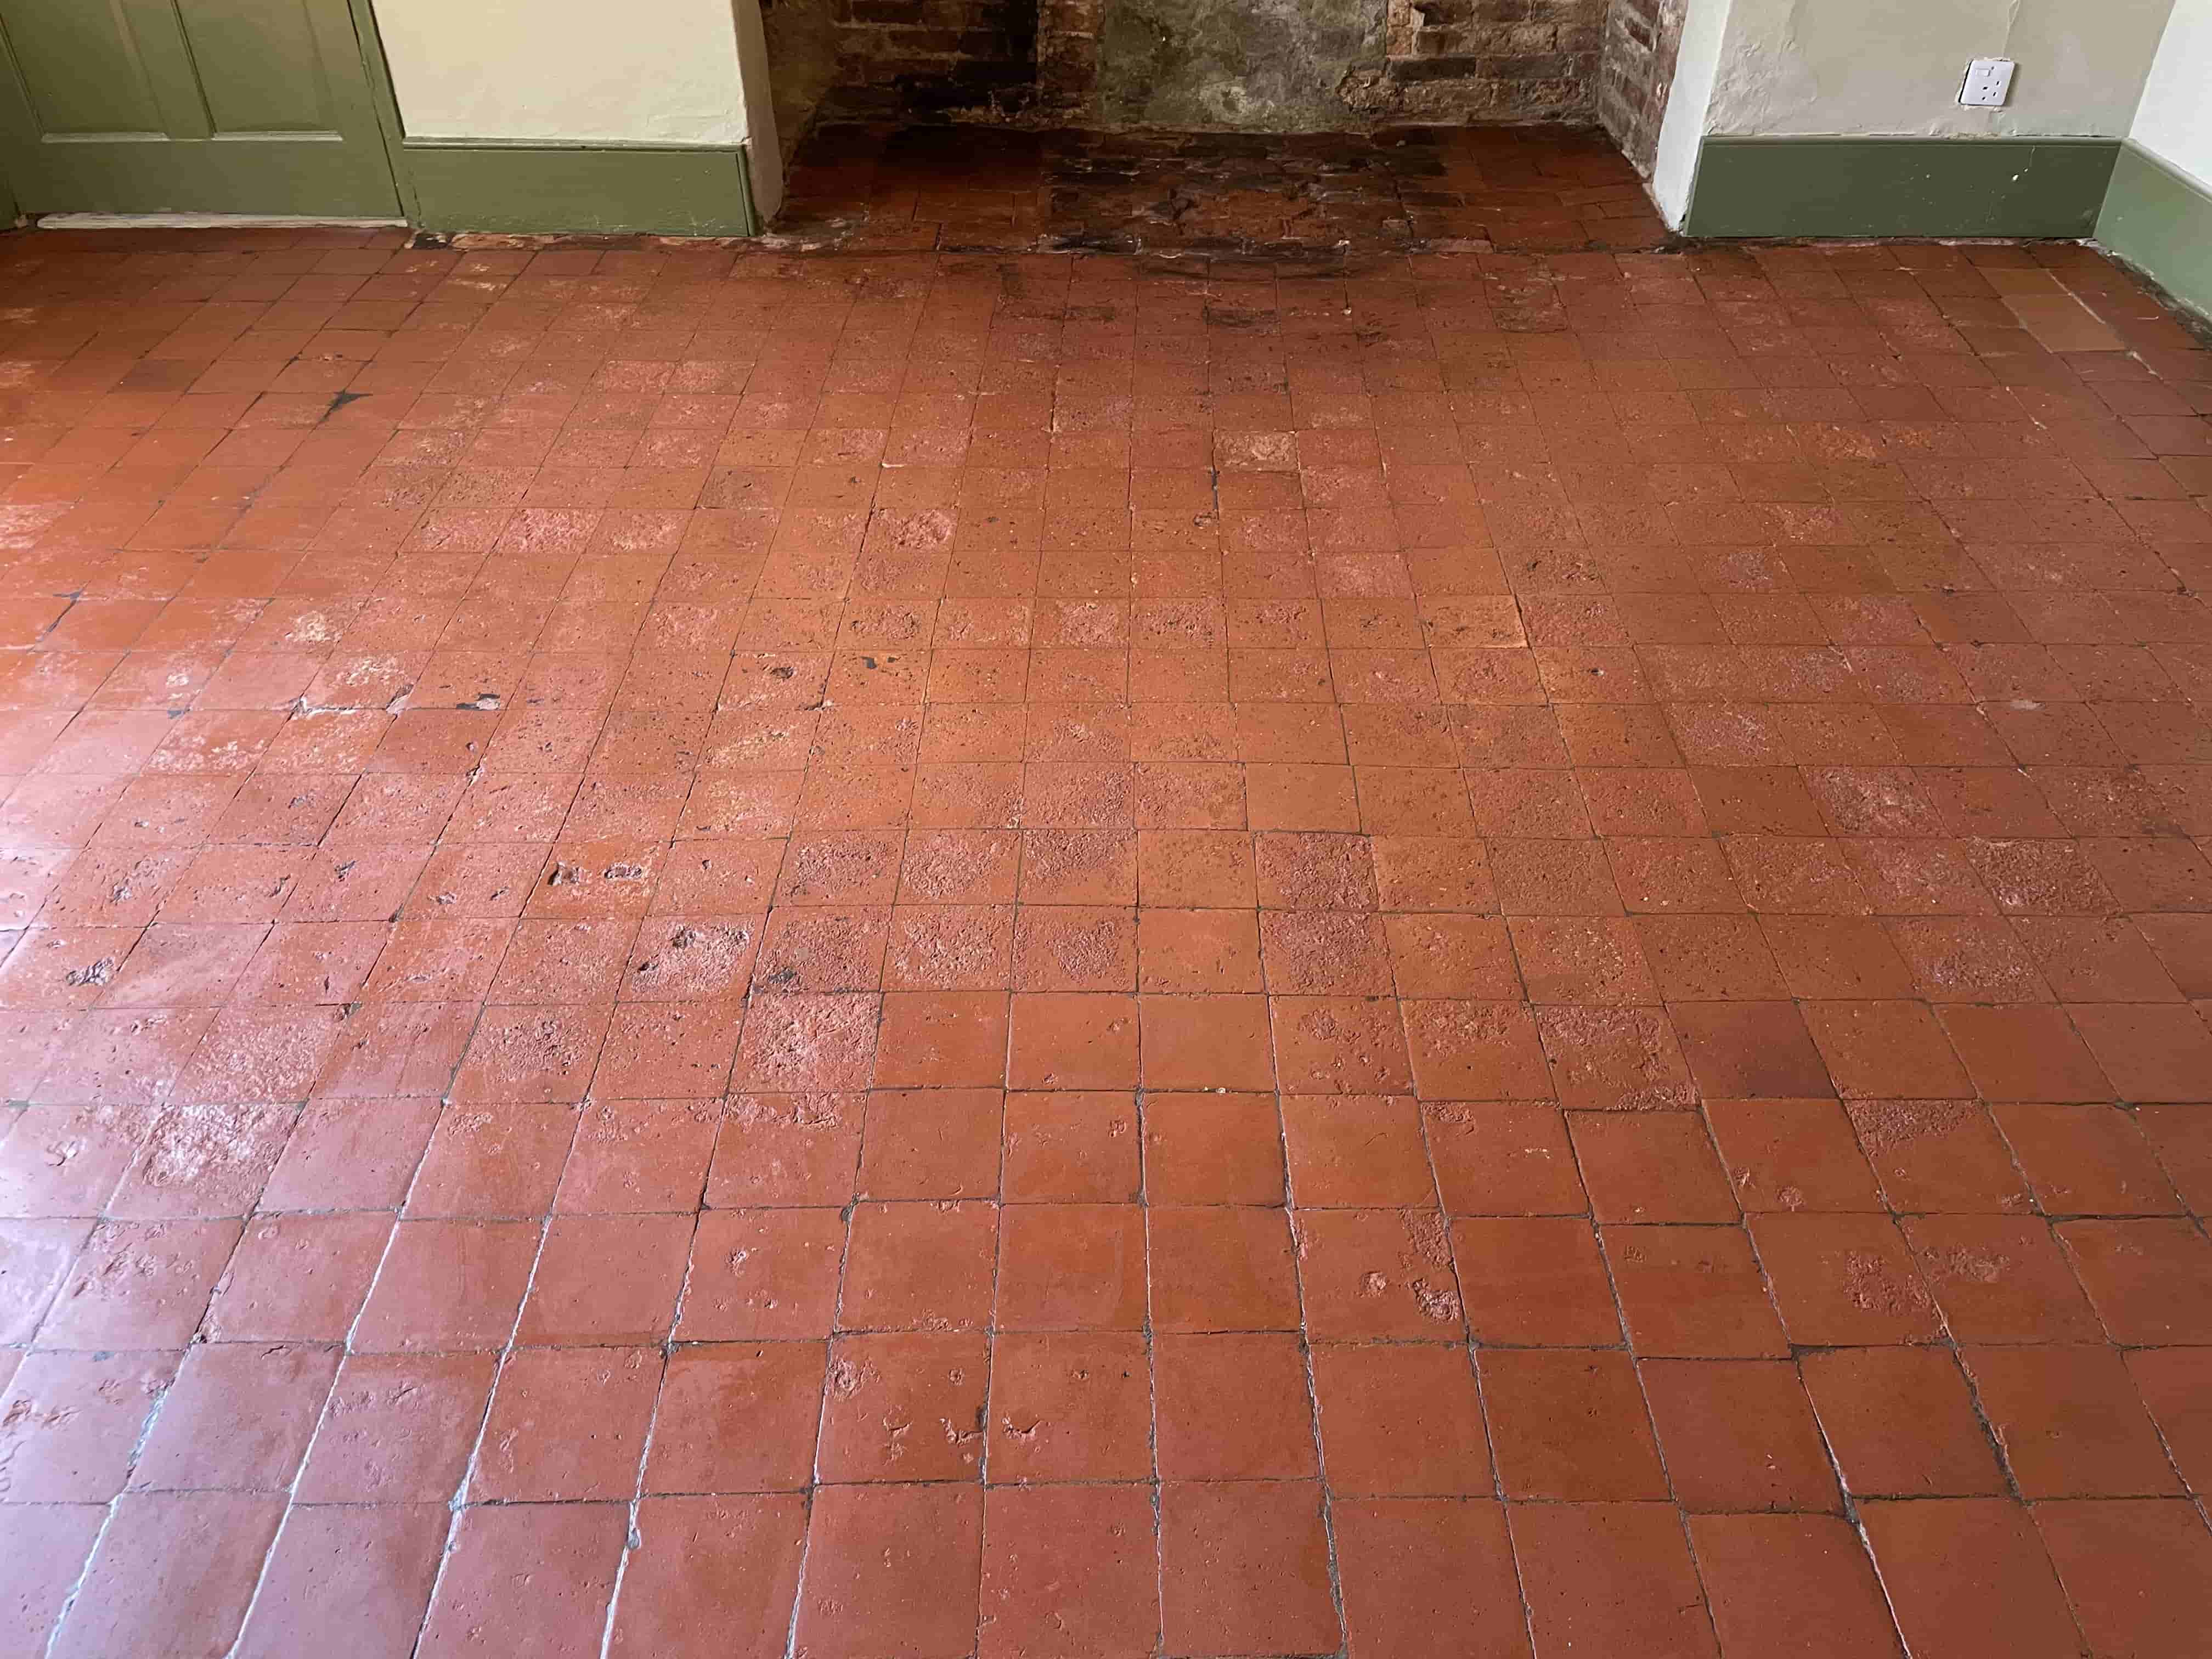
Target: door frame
<point>450,185</point>
<point>333,28</point>
<point>544,187</point>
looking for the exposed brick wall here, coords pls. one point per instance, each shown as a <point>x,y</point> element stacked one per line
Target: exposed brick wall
<point>1487,60</point>
<point>935,57</point>
<point>1637,72</point>
<point>1037,61</point>
<point>1067,56</point>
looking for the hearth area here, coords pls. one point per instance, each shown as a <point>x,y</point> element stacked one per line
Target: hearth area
<point>1247,66</point>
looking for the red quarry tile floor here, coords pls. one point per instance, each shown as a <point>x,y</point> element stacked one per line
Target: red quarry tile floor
<point>880,188</point>
<point>928,955</point>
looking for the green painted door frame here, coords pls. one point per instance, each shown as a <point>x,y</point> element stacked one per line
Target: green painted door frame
<point>286,107</point>
<point>550,187</point>
<point>259,107</point>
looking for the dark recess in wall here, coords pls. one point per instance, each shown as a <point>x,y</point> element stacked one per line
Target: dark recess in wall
<point>1232,65</point>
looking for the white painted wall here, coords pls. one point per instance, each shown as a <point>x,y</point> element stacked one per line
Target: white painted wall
<point>2174,120</point>
<point>1689,102</point>
<point>762,137</point>
<point>1884,68</point>
<point>624,71</point>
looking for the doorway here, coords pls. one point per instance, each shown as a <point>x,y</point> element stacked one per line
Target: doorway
<point>229,106</point>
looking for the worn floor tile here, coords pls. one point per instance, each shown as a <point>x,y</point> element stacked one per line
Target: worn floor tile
<point>1380,918</point>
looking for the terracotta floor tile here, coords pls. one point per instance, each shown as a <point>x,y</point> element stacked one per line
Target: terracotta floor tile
<point>237,1418</point>
<point>918,1266</point>
<point>1070,1405</point>
<point>398,1429</point>
<point>1244,1568</point>
<point>942,1039</point>
<point>1233,1407</point>
<point>1901,1421</point>
<point>1459,1051</point>
<point>1795,1583</point>
<point>2146,1278</point>
<point>1428,1577</point>
<point>566,1424</point>
<point>1792,1155</point>
<point>2024,1054</point>
<point>1070,1266</point>
<point>39,1253</point>
<point>1217,1268</point>
<point>1378,1275</point>
<point>579,1295</point>
<point>1651,1167</point>
<point>732,1417</point>
<point>1212,1148</point>
<point>1212,1042</point>
<point>2087,1160</point>
<point>76,1421</point>
<point>347,1575</point>
<point>1073,1146</point>
<point>544,1572</point>
<point>2170,1381</point>
<point>1739,1435</point>
<point>36,1580</point>
<point>1535,1280</point>
<point>2000,1280</point>
<point>1969,1576</point>
<point>638,1156</point>
<point>351,1153</point>
<point>1750,1050</point>
<point>2151,1051</point>
<point>799,1149</point>
<point>1844,1279</point>
<point>2126,1567</point>
<point>1691,1291</point>
<point>1356,1151</point>
<point>171,1567</point>
<point>1400,1420</point>
<point>2071,1422</point>
<point>710,1571</point>
<point>1072,1041</point>
<point>931,1143</point>
<point>892,1565</point>
<point>1568,1423</point>
<point>1610,1576</point>
<point>142,1283</point>
<point>1502,1157</point>
<point>737,850</point>
<point>1028,1598</point>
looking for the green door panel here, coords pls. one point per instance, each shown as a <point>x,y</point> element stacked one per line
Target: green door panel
<point>190,105</point>
<point>260,68</point>
<point>79,69</point>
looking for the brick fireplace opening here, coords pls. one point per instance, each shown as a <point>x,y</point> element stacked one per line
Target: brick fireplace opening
<point>1259,66</point>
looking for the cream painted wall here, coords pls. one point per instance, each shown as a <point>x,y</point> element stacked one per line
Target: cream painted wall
<point>1683,129</point>
<point>1892,67</point>
<point>2174,120</point>
<point>642,71</point>
<point>763,138</point>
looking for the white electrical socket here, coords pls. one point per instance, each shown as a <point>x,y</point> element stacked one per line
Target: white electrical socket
<point>1988,82</point>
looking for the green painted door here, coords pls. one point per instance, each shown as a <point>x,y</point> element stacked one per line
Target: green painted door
<point>189,106</point>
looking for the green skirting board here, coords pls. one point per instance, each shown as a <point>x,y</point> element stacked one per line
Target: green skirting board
<point>1819,186</point>
<point>2160,221</point>
<point>452,186</point>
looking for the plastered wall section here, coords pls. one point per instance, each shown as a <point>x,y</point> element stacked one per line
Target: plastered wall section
<point>1682,128</point>
<point>2173,122</point>
<point>1890,67</point>
<point>566,71</point>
